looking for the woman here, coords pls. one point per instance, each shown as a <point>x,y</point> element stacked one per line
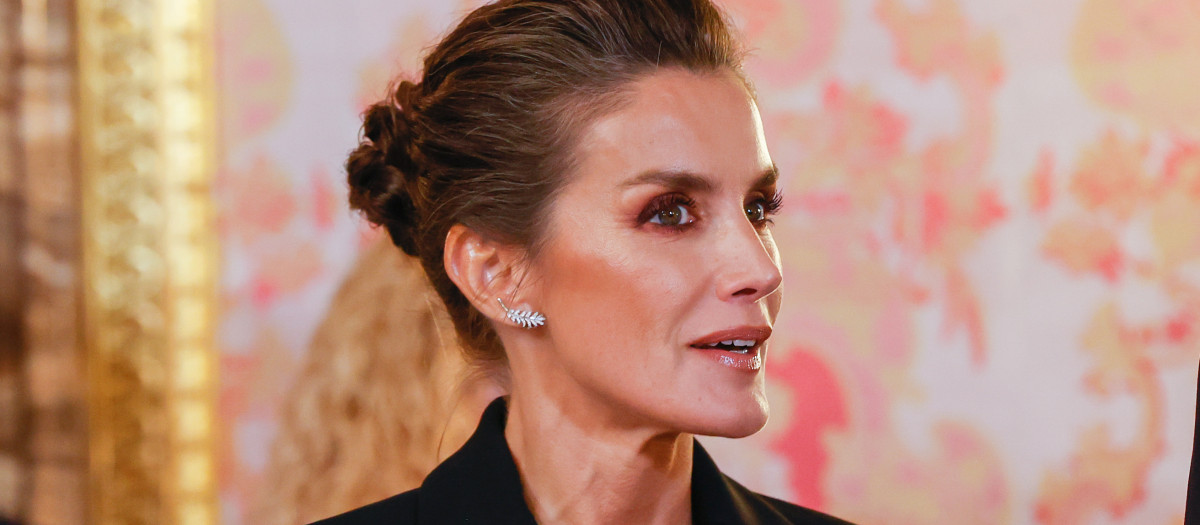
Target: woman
<point>588,189</point>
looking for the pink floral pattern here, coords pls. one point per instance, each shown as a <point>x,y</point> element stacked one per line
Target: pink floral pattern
<point>991,309</point>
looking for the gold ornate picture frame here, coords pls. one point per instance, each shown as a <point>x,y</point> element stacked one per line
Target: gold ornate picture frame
<point>147,137</point>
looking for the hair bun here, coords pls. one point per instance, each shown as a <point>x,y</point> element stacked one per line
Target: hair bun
<point>383,170</point>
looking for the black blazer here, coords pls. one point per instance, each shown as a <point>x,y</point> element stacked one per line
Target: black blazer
<point>479,484</point>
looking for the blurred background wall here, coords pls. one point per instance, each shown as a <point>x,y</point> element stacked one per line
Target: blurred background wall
<point>991,243</point>
<point>990,239</point>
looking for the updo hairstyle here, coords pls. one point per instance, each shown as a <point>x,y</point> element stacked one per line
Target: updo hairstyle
<point>486,136</point>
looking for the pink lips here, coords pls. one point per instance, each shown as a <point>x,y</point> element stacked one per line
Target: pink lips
<point>757,333</point>
<point>749,359</point>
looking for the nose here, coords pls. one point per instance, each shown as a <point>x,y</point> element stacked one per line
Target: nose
<point>749,264</point>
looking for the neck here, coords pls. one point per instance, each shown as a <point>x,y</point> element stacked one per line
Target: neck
<point>579,469</point>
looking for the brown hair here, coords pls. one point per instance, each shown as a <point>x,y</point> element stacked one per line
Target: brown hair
<point>382,397</point>
<point>485,137</point>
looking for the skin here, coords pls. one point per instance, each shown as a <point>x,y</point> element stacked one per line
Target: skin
<point>606,396</point>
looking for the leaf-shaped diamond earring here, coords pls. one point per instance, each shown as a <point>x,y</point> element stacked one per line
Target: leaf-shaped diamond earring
<point>523,318</point>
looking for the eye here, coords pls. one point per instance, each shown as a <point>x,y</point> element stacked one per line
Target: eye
<point>672,210</point>
<point>756,211</point>
<point>760,211</point>
<point>674,215</point>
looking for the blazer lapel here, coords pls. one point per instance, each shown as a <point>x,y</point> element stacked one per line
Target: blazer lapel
<point>719,500</point>
<point>480,482</point>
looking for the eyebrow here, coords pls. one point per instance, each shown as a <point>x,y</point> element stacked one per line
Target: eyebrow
<point>686,180</point>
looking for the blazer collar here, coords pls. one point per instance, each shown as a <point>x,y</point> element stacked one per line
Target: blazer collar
<point>480,483</point>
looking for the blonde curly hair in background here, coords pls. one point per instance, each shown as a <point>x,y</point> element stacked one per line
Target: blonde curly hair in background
<point>383,396</point>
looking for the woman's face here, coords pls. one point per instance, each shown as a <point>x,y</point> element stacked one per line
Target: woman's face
<point>660,280</point>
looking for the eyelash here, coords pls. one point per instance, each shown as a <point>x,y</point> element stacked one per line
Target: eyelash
<point>771,206</point>
<point>667,201</point>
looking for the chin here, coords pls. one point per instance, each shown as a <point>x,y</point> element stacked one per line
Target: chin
<point>732,420</point>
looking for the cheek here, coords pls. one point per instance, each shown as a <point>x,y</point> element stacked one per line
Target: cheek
<point>612,291</point>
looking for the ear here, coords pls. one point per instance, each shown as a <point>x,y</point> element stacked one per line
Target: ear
<point>482,269</point>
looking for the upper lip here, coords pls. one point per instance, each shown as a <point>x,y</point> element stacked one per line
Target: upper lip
<point>758,334</point>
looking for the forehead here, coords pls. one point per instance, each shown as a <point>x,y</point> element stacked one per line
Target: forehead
<point>675,119</point>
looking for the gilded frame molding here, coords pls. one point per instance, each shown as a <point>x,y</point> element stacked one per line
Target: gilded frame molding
<point>147,139</point>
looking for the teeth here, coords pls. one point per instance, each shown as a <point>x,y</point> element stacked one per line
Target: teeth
<point>746,343</point>
<point>741,346</point>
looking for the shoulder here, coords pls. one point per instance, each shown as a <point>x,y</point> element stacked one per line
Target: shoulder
<point>401,508</point>
<point>772,510</point>
<point>797,514</point>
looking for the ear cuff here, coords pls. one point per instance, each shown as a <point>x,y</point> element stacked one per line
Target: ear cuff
<point>527,319</point>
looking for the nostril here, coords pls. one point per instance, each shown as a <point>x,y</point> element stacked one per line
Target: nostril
<point>745,291</point>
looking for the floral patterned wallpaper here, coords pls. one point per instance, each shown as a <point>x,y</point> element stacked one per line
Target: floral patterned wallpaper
<point>991,241</point>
